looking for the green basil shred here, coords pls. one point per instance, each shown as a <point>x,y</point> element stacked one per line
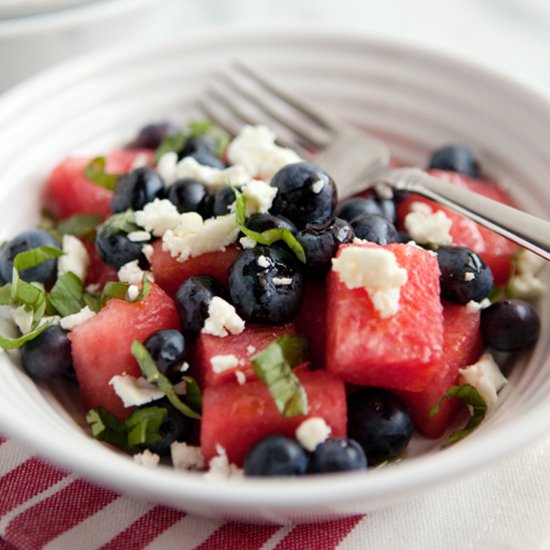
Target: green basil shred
<point>96,172</point>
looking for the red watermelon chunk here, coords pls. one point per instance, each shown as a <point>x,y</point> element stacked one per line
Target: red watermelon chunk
<point>101,345</point>
<point>170,274</point>
<point>68,192</point>
<point>236,417</point>
<point>99,272</point>
<point>462,346</point>
<point>243,346</point>
<point>396,352</point>
<point>495,250</point>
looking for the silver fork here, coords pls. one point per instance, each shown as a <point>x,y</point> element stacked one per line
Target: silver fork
<point>353,158</point>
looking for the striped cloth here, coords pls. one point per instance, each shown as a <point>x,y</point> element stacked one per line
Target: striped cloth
<point>506,506</point>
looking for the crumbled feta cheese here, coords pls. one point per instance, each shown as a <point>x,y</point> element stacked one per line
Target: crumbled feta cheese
<point>469,276</point>
<point>184,367</point>
<point>282,281</point>
<point>158,216</point>
<point>193,236</point>
<point>251,349</point>
<point>221,363</point>
<point>312,432</point>
<point>72,321</point>
<point>187,457</point>
<point>425,226</point>
<point>147,459</point>
<point>525,283</point>
<point>259,196</point>
<point>256,150</point>
<point>241,377</point>
<point>247,242</point>
<point>93,287</point>
<point>317,187</point>
<point>220,469</point>
<point>140,161</point>
<point>22,318</point>
<point>376,270</point>
<point>263,261</point>
<point>486,378</point>
<point>138,236</point>
<point>222,319</point>
<point>131,273</point>
<point>132,293</point>
<point>75,259</point>
<point>147,250</point>
<point>213,178</point>
<point>134,391</point>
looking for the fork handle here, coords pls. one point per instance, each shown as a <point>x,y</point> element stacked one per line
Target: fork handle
<point>524,229</point>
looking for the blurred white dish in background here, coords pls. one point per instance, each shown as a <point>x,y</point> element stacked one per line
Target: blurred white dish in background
<point>18,8</point>
<point>414,99</point>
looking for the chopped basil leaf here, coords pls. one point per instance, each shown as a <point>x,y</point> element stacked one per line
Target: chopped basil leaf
<point>143,425</point>
<point>274,367</point>
<point>95,172</point>
<point>193,393</point>
<point>152,374</point>
<point>79,225</point>
<point>269,236</point>
<point>12,343</point>
<point>92,300</point>
<point>470,396</point>
<point>124,222</point>
<point>171,143</point>
<point>36,256</point>
<point>106,427</point>
<point>67,295</point>
<point>118,289</point>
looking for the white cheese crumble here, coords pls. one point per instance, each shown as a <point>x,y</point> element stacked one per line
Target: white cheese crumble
<point>134,391</point>
<point>427,227</point>
<point>158,216</point>
<point>317,187</point>
<point>131,273</point>
<point>22,318</point>
<point>525,282</point>
<point>485,377</point>
<point>474,306</point>
<point>221,363</point>
<point>72,321</point>
<point>259,196</point>
<point>263,261</point>
<point>220,469</point>
<point>241,377</point>
<point>147,250</point>
<point>247,242</point>
<point>469,276</point>
<point>76,258</point>
<point>147,459</point>
<point>138,236</point>
<point>140,161</point>
<point>251,349</point>
<point>282,281</point>
<point>222,319</point>
<point>132,293</point>
<point>312,432</point>
<point>256,150</point>
<point>171,170</point>
<point>194,236</point>
<point>187,457</point>
<point>376,270</point>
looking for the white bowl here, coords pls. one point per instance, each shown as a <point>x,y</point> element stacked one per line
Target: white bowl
<point>414,99</point>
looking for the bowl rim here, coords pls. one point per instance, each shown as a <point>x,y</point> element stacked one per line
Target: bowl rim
<point>412,475</point>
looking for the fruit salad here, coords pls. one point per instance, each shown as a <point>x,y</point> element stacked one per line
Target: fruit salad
<point>218,308</point>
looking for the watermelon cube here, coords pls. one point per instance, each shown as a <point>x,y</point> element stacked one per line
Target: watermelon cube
<point>399,351</point>
<point>236,417</point>
<point>101,345</point>
<point>243,346</point>
<point>170,274</point>
<point>462,346</point>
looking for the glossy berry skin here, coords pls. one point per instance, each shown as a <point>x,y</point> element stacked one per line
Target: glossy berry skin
<point>306,194</point>
<point>321,241</point>
<point>168,350</point>
<point>137,188</point>
<point>223,199</point>
<point>188,195</point>
<point>151,136</point>
<point>263,222</point>
<point>359,206</point>
<point>203,151</point>
<point>510,325</point>
<point>276,455</point>
<point>337,455</point>
<point>117,249</point>
<point>48,355</point>
<point>464,275</point>
<point>379,422</point>
<point>192,300</point>
<point>375,228</point>
<point>45,273</point>
<point>456,158</point>
<point>266,285</point>
<point>176,427</point>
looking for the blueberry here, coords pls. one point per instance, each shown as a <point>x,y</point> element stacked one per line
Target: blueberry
<point>456,158</point>
<point>464,275</point>
<point>203,150</point>
<point>136,188</point>
<point>117,249</point>
<point>223,199</point>
<point>338,455</point>
<point>266,285</point>
<point>375,228</point>
<point>151,136</point>
<point>192,300</point>
<point>359,206</point>
<point>176,427</point>
<point>188,195</point>
<point>306,194</point>
<point>207,159</point>
<point>263,222</point>
<point>321,241</point>
<point>168,350</point>
<point>276,455</point>
<point>48,355</point>
<point>45,273</point>
<point>510,325</point>
<point>379,422</point>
